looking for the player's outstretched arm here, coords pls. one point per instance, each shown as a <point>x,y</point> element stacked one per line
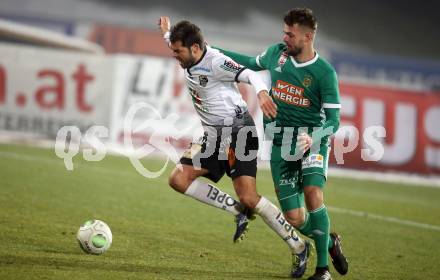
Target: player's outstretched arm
<point>267,105</point>
<point>247,61</point>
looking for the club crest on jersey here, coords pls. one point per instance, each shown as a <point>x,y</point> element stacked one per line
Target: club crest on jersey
<point>203,80</point>
<point>307,81</point>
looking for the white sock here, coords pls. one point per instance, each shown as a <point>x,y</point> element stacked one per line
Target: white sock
<point>211,195</point>
<point>273,217</point>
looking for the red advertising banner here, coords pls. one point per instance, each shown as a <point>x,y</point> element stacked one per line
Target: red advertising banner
<point>411,121</point>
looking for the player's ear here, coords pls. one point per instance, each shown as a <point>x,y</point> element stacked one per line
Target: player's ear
<point>195,48</point>
<point>310,35</point>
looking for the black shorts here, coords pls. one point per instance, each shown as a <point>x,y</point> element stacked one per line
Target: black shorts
<point>232,150</point>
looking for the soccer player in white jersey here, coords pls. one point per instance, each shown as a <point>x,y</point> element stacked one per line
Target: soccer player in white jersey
<point>230,141</point>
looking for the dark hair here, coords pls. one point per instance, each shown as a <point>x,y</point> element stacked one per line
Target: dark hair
<point>301,16</point>
<point>188,33</point>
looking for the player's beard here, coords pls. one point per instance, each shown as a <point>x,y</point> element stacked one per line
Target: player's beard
<point>188,62</point>
<point>294,51</point>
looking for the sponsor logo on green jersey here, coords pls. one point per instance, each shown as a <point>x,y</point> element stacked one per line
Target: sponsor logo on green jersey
<point>290,94</point>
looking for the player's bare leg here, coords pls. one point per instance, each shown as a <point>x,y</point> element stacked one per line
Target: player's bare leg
<point>247,194</point>
<point>246,190</point>
<point>183,175</point>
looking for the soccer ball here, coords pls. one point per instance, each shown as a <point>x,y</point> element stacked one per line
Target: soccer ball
<point>94,237</point>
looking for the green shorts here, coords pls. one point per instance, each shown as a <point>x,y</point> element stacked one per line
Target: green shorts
<point>291,176</point>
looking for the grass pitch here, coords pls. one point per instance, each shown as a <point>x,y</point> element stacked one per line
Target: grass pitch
<point>389,231</point>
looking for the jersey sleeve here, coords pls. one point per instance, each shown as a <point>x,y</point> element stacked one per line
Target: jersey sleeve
<point>226,69</point>
<point>248,61</point>
<point>253,78</point>
<point>263,59</point>
<point>330,91</point>
<point>331,105</point>
<point>255,63</point>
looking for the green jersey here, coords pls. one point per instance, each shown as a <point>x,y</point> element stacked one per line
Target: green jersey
<point>300,90</point>
<point>306,94</point>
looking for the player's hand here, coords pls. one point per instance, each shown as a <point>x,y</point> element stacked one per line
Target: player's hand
<point>164,24</point>
<point>304,142</point>
<point>267,105</point>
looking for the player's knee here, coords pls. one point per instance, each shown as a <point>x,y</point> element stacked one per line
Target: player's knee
<point>296,218</point>
<point>178,182</point>
<point>314,197</point>
<point>249,200</point>
<point>296,221</point>
<point>173,182</point>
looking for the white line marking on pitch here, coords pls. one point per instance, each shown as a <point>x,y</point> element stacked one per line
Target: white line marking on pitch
<point>355,213</point>
<point>367,215</point>
<point>383,218</point>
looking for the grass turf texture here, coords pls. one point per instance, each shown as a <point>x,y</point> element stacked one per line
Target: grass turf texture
<point>160,234</point>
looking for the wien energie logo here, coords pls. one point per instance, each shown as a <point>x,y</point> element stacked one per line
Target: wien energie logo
<point>290,94</point>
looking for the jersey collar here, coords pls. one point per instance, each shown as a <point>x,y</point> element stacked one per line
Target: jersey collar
<point>201,58</point>
<point>307,63</point>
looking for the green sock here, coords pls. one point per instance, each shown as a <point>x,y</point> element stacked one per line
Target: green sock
<point>320,225</point>
<point>330,243</point>
<point>306,229</point>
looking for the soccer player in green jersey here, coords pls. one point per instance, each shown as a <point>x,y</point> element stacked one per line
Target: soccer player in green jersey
<point>305,90</point>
